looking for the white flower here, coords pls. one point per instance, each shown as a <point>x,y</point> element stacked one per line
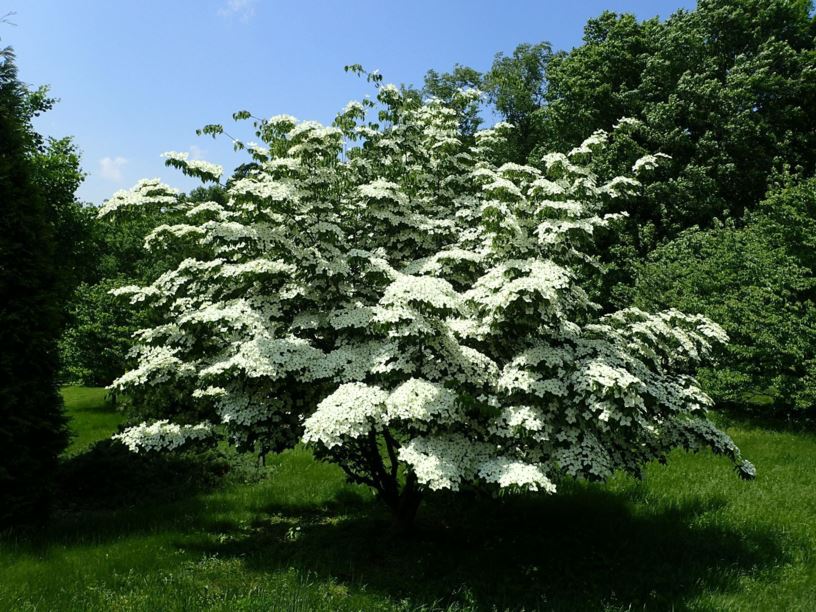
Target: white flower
<point>423,291</point>
<point>147,192</point>
<point>648,162</point>
<point>194,167</point>
<point>597,140</point>
<point>507,472</point>
<point>421,400</point>
<point>162,435</point>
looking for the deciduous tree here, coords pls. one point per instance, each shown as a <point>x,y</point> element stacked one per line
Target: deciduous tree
<point>414,309</point>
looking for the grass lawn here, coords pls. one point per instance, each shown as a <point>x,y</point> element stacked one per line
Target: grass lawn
<point>92,417</point>
<point>690,536</point>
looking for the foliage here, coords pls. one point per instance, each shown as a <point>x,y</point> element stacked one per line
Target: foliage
<point>32,427</point>
<point>759,282</point>
<point>99,336</point>
<point>99,330</point>
<point>446,87</point>
<point>108,475</point>
<point>419,304</point>
<point>58,175</point>
<point>515,86</point>
<point>98,473</point>
<point>688,537</point>
<point>725,90</point>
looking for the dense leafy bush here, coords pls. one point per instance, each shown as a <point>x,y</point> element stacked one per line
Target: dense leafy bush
<point>95,344</point>
<point>759,283</point>
<point>108,475</point>
<point>725,90</point>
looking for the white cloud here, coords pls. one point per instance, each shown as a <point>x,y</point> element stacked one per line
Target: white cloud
<point>243,9</point>
<point>197,152</point>
<point>110,168</point>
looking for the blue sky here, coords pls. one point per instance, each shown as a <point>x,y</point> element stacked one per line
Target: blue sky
<point>137,78</point>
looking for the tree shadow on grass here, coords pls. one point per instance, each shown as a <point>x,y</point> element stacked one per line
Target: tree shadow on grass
<point>582,550</point>
<point>108,476</point>
<point>103,408</point>
<point>586,548</point>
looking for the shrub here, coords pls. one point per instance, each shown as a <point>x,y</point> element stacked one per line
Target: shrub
<point>759,282</point>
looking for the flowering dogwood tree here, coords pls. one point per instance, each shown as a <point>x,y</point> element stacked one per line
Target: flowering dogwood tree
<point>392,294</point>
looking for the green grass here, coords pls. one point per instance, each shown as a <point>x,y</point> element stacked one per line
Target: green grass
<point>92,417</point>
<point>690,536</point>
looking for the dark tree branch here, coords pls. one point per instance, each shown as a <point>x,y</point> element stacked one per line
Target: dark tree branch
<point>391,445</point>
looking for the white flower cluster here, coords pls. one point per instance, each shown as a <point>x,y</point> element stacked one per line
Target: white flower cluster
<point>422,291</point>
<point>194,167</point>
<point>513,473</point>
<point>207,209</point>
<point>145,193</point>
<point>444,462</point>
<point>286,122</point>
<point>346,413</point>
<point>423,401</point>
<point>515,422</point>
<point>355,409</point>
<point>381,189</point>
<point>621,186</point>
<point>162,435</point>
<point>648,162</point>
<point>157,365</point>
<point>596,140</point>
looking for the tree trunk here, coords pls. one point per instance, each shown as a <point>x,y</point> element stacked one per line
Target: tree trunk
<point>404,507</point>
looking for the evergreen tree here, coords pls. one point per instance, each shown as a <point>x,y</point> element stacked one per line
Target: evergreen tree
<point>32,426</point>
